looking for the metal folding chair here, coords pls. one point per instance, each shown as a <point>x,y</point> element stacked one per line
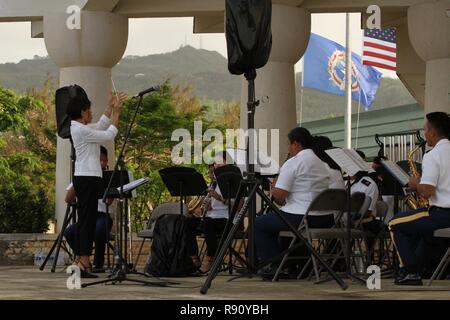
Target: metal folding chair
<point>441,233</point>
<point>331,200</point>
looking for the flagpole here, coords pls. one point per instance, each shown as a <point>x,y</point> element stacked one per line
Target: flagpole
<point>301,90</point>
<point>348,87</point>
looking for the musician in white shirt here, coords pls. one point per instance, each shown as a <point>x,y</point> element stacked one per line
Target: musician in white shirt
<point>302,177</point>
<point>412,231</point>
<point>86,139</point>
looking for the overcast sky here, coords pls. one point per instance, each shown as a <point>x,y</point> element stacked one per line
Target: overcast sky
<point>150,36</point>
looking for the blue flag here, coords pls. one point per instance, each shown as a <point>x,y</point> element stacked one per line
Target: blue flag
<point>324,70</point>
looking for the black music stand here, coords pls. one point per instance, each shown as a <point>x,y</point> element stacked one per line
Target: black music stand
<point>113,192</point>
<point>229,178</point>
<point>391,186</point>
<point>182,182</point>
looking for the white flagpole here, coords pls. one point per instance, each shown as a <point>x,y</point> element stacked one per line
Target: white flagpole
<point>348,87</point>
<point>301,90</point>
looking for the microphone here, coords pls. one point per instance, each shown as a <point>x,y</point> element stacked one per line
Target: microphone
<point>151,89</point>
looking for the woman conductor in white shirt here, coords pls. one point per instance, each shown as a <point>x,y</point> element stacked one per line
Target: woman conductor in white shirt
<point>87,179</point>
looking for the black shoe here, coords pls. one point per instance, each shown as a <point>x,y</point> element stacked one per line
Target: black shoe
<point>401,274</point>
<point>411,279</point>
<point>267,273</point>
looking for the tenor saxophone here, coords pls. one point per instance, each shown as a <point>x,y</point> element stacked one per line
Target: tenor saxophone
<point>413,200</point>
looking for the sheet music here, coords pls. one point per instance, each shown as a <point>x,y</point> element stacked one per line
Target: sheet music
<point>397,172</point>
<point>344,161</point>
<point>133,184</point>
<point>360,161</point>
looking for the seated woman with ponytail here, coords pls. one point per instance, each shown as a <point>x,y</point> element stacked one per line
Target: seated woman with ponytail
<point>301,179</point>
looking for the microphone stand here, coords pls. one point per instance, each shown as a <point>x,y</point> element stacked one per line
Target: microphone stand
<point>121,268</point>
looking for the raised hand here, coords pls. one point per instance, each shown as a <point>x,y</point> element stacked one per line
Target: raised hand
<point>118,100</point>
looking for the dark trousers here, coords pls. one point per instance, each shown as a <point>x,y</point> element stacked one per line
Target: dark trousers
<point>412,233</point>
<point>268,226</point>
<point>212,229</point>
<point>102,229</point>
<point>88,190</point>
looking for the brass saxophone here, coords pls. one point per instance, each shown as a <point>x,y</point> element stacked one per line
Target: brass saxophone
<point>413,200</point>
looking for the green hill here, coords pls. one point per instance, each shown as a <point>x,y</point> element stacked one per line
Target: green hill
<point>207,73</point>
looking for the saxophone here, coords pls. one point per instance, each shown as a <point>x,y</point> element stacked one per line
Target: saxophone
<point>413,200</point>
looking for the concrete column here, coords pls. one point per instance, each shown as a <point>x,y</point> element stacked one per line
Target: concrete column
<point>429,31</point>
<point>275,82</point>
<point>85,57</point>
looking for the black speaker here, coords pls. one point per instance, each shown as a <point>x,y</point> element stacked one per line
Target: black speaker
<point>62,98</point>
<point>248,33</point>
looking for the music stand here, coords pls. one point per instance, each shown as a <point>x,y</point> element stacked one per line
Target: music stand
<point>353,164</point>
<point>397,180</point>
<point>182,182</point>
<point>113,192</point>
<point>228,179</point>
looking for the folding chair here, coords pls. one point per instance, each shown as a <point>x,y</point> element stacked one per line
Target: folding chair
<point>337,235</point>
<point>331,200</point>
<point>441,233</point>
<point>383,235</point>
<point>147,233</point>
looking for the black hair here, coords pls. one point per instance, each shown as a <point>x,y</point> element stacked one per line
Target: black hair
<point>302,136</point>
<point>361,154</point>
<point>103,151</point>
<point>322,143</point>
<point>76,105</point>
<point>377,159</point>
<point>440,121</point>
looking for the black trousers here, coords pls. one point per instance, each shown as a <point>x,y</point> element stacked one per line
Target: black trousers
<point>212,229</point>
<point>88,190</point>
<point>412,233</point>
<point>100,240</point>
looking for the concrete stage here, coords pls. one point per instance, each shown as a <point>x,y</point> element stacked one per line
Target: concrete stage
<point>31,283</point>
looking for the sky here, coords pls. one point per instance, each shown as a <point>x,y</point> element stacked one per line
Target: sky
<point>160,35</point>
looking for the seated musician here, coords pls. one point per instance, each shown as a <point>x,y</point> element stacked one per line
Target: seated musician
<point>103,225</point>
<point>302,177</point>
<point>412,231</point>
<point>211,222</point>
<point>321,144</point>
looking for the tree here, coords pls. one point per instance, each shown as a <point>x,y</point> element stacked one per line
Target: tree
<point>26,170</point>
<point>149,147</point>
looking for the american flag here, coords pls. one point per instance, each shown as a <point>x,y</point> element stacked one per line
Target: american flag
<point>380,48</point>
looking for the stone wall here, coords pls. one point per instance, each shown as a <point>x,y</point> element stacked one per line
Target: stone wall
<point>20,248</point>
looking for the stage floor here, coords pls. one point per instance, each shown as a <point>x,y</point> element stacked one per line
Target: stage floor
<point>31,283</point>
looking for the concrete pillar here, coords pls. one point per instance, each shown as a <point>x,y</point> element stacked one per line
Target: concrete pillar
<point>85,57</point>
<point>410,67</point>
<point>291,28</point>
<point>429,31</point>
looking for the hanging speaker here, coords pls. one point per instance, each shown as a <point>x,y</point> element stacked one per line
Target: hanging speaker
<point>248,33</point>
<point>62,98</point>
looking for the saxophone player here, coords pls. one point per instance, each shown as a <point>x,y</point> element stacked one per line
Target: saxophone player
<point>411,231</point>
